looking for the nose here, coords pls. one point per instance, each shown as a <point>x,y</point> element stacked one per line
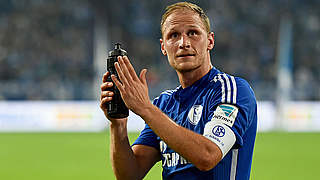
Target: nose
<point>184,42</point>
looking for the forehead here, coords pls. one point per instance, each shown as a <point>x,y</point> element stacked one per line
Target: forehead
<point>183,18</point>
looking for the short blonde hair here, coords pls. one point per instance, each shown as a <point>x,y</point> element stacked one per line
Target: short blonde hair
<point>186,5</point>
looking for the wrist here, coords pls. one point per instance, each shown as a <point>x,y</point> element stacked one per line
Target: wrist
<point>118,128</point>
<point>118,123</point>
<point>147,112</point>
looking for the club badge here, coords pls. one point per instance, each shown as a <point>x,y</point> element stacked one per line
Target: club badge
<point>195,114</point>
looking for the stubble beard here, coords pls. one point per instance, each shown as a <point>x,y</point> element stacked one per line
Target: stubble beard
<point>179,67</point>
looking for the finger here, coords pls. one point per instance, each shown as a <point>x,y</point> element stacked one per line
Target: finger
<point>124,68</point>
<point>131,70</point>
<point>106,94</point>
<point>106,85</point>
<point>122,77</point>
<point>105,100</point>
<point>143,78</point>
<point>117,83</point>
<point>105,76</point>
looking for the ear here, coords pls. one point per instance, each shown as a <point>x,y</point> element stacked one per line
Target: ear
<point>164,52</point>
<point>211,41</point>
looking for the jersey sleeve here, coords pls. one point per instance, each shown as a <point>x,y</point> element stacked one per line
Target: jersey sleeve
<point>234,105</point>
<point>147,136</point>
<point>246,102</point>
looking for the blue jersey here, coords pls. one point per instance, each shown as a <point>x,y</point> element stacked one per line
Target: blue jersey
<point>193,107</point>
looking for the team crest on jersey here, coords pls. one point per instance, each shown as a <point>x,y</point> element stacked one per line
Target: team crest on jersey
<point>226,113</point>
<point>195,114</point>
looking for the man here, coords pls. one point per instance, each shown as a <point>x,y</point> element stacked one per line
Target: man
<point>204,129</point>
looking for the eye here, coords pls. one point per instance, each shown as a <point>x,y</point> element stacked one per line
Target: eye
<point>192,33</point>
<point>173,35</point>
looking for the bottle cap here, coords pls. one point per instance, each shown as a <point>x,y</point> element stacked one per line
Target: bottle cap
<point>118,51</point>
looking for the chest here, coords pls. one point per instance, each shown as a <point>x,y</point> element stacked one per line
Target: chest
<point>192,112</point>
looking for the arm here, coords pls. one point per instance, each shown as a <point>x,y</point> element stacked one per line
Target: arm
<point>127,163</point>
<point>199,150</point>
<point>196,148</point>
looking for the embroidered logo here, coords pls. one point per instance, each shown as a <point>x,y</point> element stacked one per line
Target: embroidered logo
<point>195,114</point>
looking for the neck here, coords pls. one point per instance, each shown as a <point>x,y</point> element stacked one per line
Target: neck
<point>188,78</point>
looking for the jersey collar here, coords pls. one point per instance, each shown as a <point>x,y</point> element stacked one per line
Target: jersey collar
<point>183,94</point>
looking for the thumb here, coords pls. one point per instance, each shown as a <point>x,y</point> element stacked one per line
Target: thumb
<point>143,78</point>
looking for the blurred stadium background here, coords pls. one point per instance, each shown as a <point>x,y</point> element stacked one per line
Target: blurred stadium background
<point>52,57</point>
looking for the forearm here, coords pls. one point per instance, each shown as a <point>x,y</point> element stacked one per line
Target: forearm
<point>124,163</point>
<point>194,147</point>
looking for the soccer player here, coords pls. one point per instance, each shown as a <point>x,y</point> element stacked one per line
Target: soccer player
<point>203,129</point>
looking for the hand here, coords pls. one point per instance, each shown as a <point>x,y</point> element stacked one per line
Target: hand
<point>106,96</point>
<point>133,89</point>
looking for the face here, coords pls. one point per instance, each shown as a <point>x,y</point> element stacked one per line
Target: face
<point>186,42</point>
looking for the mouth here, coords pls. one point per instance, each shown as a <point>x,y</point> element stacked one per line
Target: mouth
<point>185,55</point>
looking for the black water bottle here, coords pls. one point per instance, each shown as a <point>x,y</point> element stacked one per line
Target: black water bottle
<point>116,108</point>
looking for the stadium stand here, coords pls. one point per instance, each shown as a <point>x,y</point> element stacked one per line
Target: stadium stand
<point>46,47</point>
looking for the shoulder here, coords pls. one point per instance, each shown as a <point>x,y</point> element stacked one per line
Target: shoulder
<point>232,89</point>
<point>165,95</point>
<point>245,92</point>
<point>226,85</point>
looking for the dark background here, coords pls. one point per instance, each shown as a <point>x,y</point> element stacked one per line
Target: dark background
<point>46,47</point>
